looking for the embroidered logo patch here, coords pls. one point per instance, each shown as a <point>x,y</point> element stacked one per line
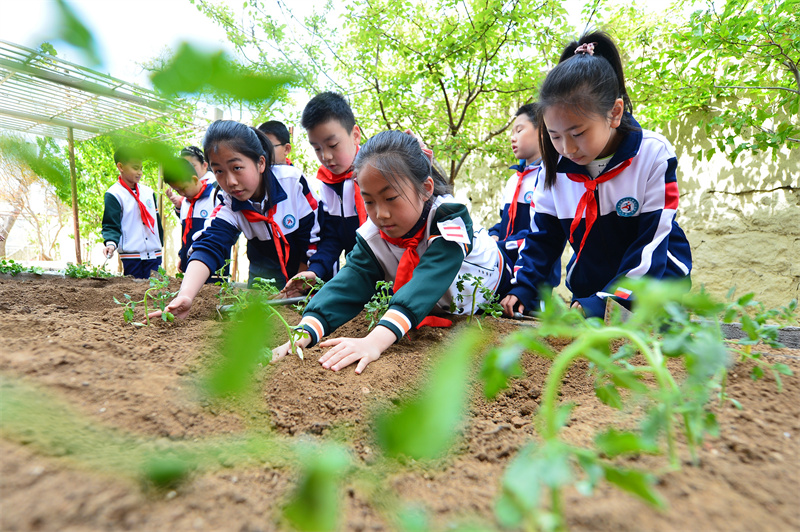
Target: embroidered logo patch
<point>289,221</point>
<point>627,207</point>
<point>454,230</point>
<point>204,213</point>
<point>528,196</point>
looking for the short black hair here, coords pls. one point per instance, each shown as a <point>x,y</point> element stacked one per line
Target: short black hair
<point>127,154</point>
<point>277,129</point>
<point>328,106</point>
<point>531,110</point>
<point>178,171</point>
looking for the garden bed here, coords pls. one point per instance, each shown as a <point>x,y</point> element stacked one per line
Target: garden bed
<point>67,336</point>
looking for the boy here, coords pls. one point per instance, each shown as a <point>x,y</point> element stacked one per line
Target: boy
<point>198,204</point>
<point>278,135</point>
<point>335,137</point>
<point>131,222</point>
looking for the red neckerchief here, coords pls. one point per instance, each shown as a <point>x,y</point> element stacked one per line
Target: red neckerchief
<point>405,270</point>
<point>277,234</point>
<point>512,208</point>
<point>587,202</point>
<point>191,210</point>
<point>326,176</point>
<point>147,218</point>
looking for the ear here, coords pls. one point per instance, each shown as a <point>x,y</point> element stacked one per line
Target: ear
<point>616,112</point>
<point>356,134</point>
<point>119,167</point>
<point>287,148</point>
<point>262,164</point>
<point>428,186</point>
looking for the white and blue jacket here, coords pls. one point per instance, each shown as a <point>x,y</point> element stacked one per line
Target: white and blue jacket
<point>635,233</point>
<point>338,222</point>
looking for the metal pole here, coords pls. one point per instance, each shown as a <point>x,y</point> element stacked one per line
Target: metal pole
<point>73,181</point>
<point>163,215</point>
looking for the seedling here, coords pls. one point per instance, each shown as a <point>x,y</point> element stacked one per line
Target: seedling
<point>157,294</point>
<point>82,271</point>
<point>490,306</point>
<point>9,266</point>
<point>312,289</point>
<point>377,306</point>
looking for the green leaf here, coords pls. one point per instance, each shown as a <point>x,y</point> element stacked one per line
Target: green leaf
<point>635,482</point>
<point>613,443</point>
<point>426,426</point>
<point>498,366</point>
<point>609,395</point>
<point>70,29</point>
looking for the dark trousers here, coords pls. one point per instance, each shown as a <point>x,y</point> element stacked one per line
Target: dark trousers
<point>140,268</point>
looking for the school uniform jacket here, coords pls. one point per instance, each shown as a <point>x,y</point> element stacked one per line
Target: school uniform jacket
<point>450,248</point>
<point>338,222</point>
<point>123,225</point>
<point>522,221</point>
<point>635,233</point>
<point>203,208</point>
<point>287,188</point>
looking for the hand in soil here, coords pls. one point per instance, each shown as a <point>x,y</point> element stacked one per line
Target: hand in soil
<point>299,284</point>
<point>511,305</point>
<point>179,307</point>
<point>345,351</point>
<point>283,350</point>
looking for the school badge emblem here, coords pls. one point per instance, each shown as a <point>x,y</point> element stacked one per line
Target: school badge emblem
<point>289,221</point>
<point>627,207</point>
<point>528,198</point>
<point>204,213</point>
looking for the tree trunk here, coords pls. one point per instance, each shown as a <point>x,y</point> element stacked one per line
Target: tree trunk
<point>6,223</point>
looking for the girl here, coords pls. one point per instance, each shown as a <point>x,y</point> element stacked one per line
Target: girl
<point>271,205</point>
<point>610,188</point>
<point>418,237</point>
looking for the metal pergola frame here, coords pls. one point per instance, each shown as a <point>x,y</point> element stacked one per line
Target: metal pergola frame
<point>45,96</point>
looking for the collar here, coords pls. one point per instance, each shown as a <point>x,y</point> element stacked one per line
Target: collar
<point>521,167</point>
<point>274,195</point>
<point>627,149</point>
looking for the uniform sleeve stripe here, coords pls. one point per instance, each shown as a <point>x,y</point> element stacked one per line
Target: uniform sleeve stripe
<point>671,195</point>
<point>398,319</point>
<point>312,201</point>
<point>315,325</point>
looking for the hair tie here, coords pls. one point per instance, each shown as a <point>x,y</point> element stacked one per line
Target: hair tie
<point>585,48</point>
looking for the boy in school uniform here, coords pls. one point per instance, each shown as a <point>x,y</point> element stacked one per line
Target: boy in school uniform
<point>131,223</point>
<point>278,135</point>
<point>516,214</point>
<point>335,137</point>
<point>199,201</point>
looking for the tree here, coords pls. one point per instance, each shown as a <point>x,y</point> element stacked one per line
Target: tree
<point>453,71</point>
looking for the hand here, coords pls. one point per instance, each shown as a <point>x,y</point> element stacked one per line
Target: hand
<point>509,304</point>
<point>496,238</point>
<point>176,199</point>
<point>345,351</point>
<point>578,306</point>
<point>109,251</point>
<point>299,284</point>
<point>281,351</point>
<point>179,307</point>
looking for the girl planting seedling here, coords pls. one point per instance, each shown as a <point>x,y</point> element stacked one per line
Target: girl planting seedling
<point>417,237</point>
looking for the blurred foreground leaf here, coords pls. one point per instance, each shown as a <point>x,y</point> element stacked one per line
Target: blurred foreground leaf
<point>71,30</point>
<point>426,426</point>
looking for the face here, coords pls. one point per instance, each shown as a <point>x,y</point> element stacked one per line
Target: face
<point>334,145</point>
<point>189,189</point>
<point>281,150</point>
<point>131,172</point>
<point>394,210</point>
<point>525,139</point>
<point>199,168</point>
<point>581,137</point>
<point>237,174</point>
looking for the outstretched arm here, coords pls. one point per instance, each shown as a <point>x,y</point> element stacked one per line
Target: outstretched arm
<point>196,275</point>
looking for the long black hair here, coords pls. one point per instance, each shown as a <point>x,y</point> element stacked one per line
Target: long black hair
<point>398,156</point>
<point>586,83</point>
<point>240,138</point>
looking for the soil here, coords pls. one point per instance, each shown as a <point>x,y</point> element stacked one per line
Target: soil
<point>67,337</point>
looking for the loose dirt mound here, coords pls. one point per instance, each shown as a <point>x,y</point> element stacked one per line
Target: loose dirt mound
<point>68,337</point>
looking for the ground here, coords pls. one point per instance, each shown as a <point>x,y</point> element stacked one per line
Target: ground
<point>68,337</point>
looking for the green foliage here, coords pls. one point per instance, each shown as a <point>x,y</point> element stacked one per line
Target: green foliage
<point>425,426</point>
<point>70,29</point>
<point>378,304</point>
<point>490,306</point>
<point>313,288</point>
<point>158,293</point>
<point>84,271</point>
<point>315,503</point>
<point>10,267</point>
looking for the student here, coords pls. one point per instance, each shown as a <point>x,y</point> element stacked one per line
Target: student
<point>278,135</point>
<point>335,137</point>
<point>271,205</point>
<point>131,223</point>
<point>195,157</point>
<point>610,188</point>
<point>416,236</point>
<point>515,216</point>
<point>196,209</point>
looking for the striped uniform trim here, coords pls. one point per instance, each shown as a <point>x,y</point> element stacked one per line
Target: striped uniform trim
<point>623,293</point>
<point>146,255</point>
<point>314,326</point>
<point>398,319</point>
